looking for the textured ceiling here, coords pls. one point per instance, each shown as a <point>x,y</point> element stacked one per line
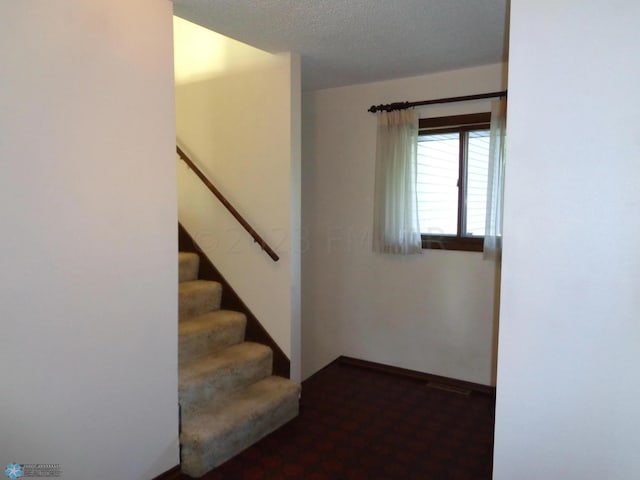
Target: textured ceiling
<point>344,42</point>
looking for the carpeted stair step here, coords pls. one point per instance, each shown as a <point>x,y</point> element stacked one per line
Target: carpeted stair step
<point>228,398</point>
<point>217,434</point>
<point>209,333</point>
<point>210,379</point>
<point>197,297</point>
<point>188,264</point>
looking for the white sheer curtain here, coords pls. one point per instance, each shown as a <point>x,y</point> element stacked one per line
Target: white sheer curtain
<point>395,224</point>
<point>495,184</point>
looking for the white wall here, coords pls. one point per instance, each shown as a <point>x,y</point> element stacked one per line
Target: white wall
<point>88,301</point>
<point>238,116</point>
<point>567,405</point>
<point>433,312</point>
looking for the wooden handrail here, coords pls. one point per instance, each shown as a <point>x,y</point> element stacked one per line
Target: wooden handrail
<point>256,238</point>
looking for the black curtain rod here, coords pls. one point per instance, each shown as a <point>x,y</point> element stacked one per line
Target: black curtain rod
<point>404,105</point>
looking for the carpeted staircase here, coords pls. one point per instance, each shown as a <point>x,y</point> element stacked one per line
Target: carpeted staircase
<point>228,397</point>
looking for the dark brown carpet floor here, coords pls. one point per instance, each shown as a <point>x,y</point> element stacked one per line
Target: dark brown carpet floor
<point>360,424</point>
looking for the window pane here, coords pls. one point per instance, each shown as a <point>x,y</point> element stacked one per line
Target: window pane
<point>438,159</point>
<point>477,175</point>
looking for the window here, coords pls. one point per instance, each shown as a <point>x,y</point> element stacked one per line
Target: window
<point>453,161</point>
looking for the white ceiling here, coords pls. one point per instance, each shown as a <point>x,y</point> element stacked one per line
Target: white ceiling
<point>345,42</point>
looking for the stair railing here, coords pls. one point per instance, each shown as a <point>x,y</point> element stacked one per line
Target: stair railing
<point>256,238</point>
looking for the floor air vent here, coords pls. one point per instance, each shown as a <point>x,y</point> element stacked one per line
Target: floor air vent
<point>449,388</point>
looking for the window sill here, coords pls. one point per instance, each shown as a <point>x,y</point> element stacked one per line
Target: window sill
<point>443,242</point>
